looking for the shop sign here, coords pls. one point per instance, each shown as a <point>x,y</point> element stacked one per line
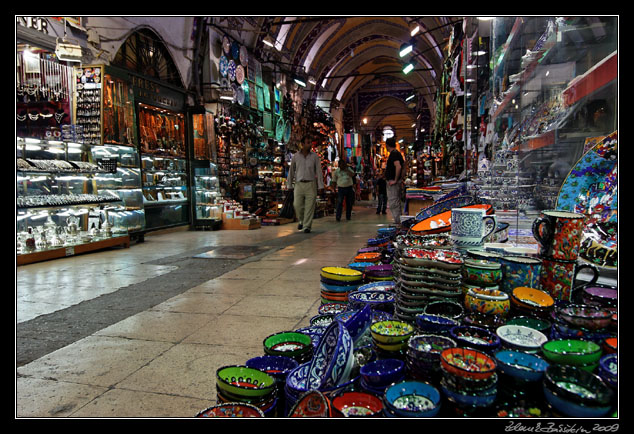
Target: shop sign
<point>155,94</point>
<point>37,23</point>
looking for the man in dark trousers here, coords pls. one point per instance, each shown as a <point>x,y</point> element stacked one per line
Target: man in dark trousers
<point>394,178</point>
<point>381,194</point>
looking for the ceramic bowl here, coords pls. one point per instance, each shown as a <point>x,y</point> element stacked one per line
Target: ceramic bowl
<point>610,345</point>
<point>468,363</point>
<point>391,331</point>
<point>315,332</point>
<point>475,337</point>
<point>609,369</point>
<point>322,319</point>
<point>332,360</point>
<point>413,399</point>
<point>481,272</point>
<point>360,266</point>
<point>383,270</point>
<point>372,257</point>
<point>539,324</point>
<point>588,317</point>
<point>287,343</point>
<point>358,324</point>
<point>521,338</point>
<point>375,298</point>
<point>341,274</point>
<point>311,404</point>
<point>357,404</point>
<point>428,347</point>
<point>244,381</point>
<point>383,372</point>
<point>532,298</point>
<point>296,382</point>
<point>577,393</point>
<point>428,323</point>
<point>487,301</point>
<point>483,398</point>
<point>447,308</point>
<point>520,365</point>
<point>331,308</point>
<point>439,258</point>
<point>337,289</point>
<point>276,366</point>
<point>368,249</point>
<point>571,352</point>
<point>604,296</point>
<point>378,286</point>
<point>232,409</point>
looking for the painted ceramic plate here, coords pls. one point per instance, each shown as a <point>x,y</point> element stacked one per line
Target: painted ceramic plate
<point>235,50</point>
<point>244,55</point>
<point>226,45</point>
<point>239,74</point>
<point>223,65</point>
<point>231,70</point>
<point>279,129</point>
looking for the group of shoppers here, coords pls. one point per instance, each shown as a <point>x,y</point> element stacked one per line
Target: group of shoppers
<point>305,181</point>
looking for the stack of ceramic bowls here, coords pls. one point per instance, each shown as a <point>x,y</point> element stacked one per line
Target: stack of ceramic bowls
<point>609,370</point>
<point>521,338</point>
<point>574,352</point>
<point>237,383</point>
<point>531,301</point>
<point>475,337</point>
<point>519,375</point>
<point>277,367</point>
<point>378,299</point>
<point>315,332</point>
<point>582,321</point>
<point>379,273</point>
<point>380,242</point>
<point>232,409</point>
<point>376,376</point>
<point>293,344</point>
<point>337,282</point>
<point>390,337</point>
<point>357,404</point>
<point>360,266</point>
<point>469,378</point>
<point>481,273</point>
<point>486,307</point>
<point>412,399</point>
<point>574,392</point>
<point>423,356</point>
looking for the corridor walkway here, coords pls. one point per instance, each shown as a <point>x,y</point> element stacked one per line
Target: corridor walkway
<point>140,332</point>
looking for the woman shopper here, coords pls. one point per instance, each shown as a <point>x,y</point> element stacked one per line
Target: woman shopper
<point>343,180</point>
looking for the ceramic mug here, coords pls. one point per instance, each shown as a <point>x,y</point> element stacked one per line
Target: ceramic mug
<point>470,226</point>
<point>520,271</point>
<point>558,277</point>
<point>558,234</point>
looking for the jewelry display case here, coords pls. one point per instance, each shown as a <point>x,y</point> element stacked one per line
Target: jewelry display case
<point>61,209</point>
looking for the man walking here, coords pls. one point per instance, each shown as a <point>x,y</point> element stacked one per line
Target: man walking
<point>394,176</point>
<point>304,179</point>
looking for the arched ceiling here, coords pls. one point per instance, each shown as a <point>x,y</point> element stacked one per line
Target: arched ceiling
<point>355,62</point>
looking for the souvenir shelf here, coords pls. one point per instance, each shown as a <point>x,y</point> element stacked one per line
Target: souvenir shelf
<point>61,210</point>
<point>206,197</point>
<point>165,191</point>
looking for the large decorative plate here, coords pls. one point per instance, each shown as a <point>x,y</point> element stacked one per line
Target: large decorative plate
<point>240,95</point>
<point>226,45</point>
<point>279,129</point>
<point>591,189</point>
<point>441,223</point>
<point>231,70</point>
<point>443,206</point>
<point>244,56</point>
<point>287,132</point>
<point>240,74</point>
<point>223,65</point>
<point>235,50</point>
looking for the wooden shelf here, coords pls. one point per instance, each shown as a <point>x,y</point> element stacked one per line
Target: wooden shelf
<point>45,255</point>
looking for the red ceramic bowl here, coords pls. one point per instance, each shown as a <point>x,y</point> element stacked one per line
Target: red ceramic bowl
<point>468,363</point>
<point>610,345</point>
<point>357,404</point>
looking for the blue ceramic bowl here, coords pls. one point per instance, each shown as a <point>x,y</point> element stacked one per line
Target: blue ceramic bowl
<point>359,323</point>
<point>608,369</point>
<point>333,359</point>
<point>483,398</point>
<point>360,266</point>
<point>327,287</point>
<point>383,372</point>
<point>322,319</point>
<point>315,332</point>
<point>520,365</point>
<point>276,366</point>
<point>576,392</point>
<point>375,298</point>
<point>427,348</point>
<point>412,399</point>
<point>428,323</point>
<point>384,285</point>
<point>475,337</point>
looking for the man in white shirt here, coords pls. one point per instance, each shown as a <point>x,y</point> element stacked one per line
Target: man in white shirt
<point>304,179</point>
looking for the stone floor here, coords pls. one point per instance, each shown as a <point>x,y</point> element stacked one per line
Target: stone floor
<point>139,332</point>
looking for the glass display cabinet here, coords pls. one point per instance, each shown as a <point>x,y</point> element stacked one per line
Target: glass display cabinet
<point>206,195</point>
<point>61,210</point>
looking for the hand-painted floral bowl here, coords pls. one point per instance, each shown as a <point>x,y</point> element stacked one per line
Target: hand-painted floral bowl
<point>375,298</point>
<point>428,323</point>
<point>464,398</point>
<point>427,348</point>
<point>333,359</point>
<point>539,324</point>
<point>521,338</point>
<point>468,363</point>
<point>489,322</point>
<point>532,298</point>
<point>244,381</point>
<point>521,365</point>
<point>378,286</point>
<point>481,272</point>
<point>287,343</point>
<point>332,308</point>
<point>571,351</point>
<point>475,337</point>
<point>276,366</point>
<point>609,369</point>
<point>311,404</point>
<point>391,331</point>
<point>360,266</point>
<point>383,372</point>
<point>585,316</point>
<point>412,399</point>
<point>577,393</point>
<point>341,274</point>
<point>315,332</point>
<point>232,409</point>
<point>487,301</point>
<point>359,323</point>
<point>322,319</point>
<point>357,404</point>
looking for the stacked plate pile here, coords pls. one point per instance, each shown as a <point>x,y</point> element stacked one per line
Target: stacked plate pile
<point>423,356</point>
<point>469,378</point>
<point>379,273</point>
<point>237,383</point>
<point>337,282</point>
<point>376,376</point>
<point>277,367</point>
<point>579,321</point>
<point>293,344</point>
<point>372,257</point>
<point>424,275</point>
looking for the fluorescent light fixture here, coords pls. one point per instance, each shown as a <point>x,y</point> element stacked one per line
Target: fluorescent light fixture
<point>410,97</point>
<point>486,18</point>
<point>312,81</point>
<point>415,30</point>
<point>299,81</point>
<point>269,41</point>
<point>406,49</point>
<point>408,68</point>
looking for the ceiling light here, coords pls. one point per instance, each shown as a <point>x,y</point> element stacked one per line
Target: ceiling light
<point>269,41</point>
<point>408,68</point>
<point>312,81</point>
<point>300,81</point>
<point>486,18</point>
<point>410,97</point>
<point>406,49</point>
<point>415,30</point>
